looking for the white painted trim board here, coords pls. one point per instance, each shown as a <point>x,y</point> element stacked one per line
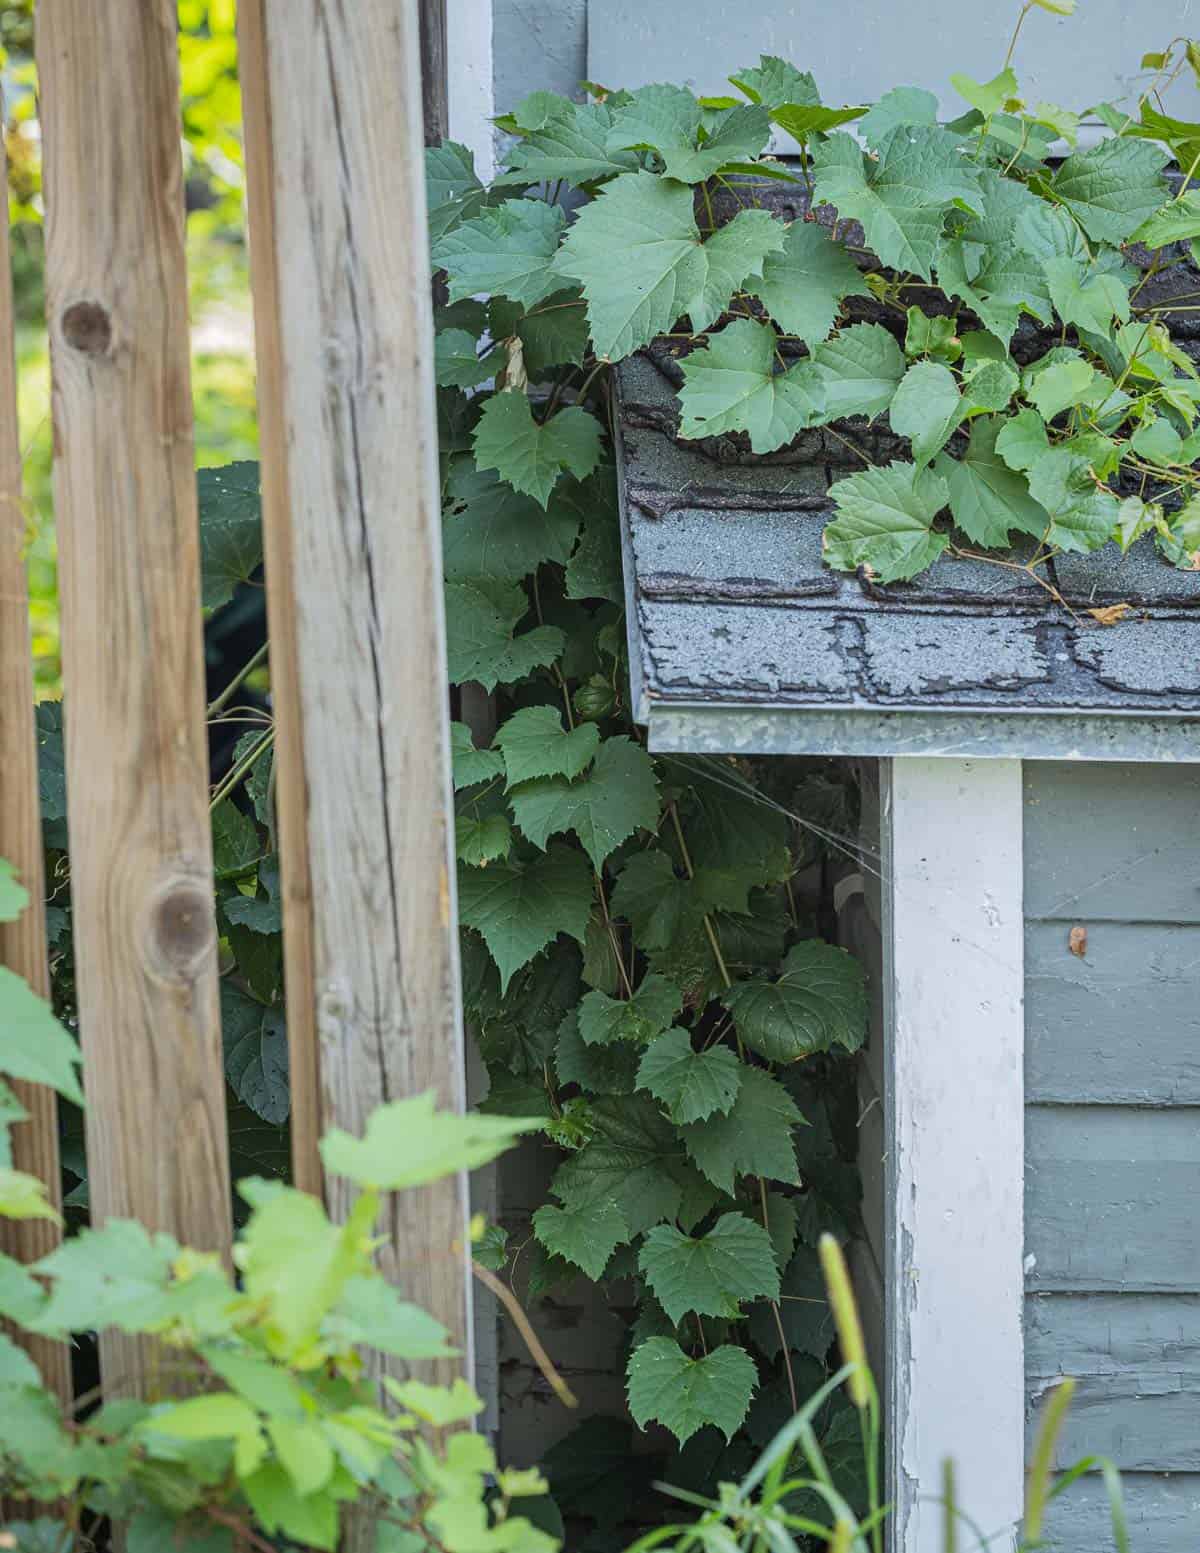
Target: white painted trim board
<point>953,937</point>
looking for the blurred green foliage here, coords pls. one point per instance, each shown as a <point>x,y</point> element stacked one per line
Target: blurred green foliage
<point>222,354</point>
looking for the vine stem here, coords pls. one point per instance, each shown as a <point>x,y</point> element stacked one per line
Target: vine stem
<point>237,681</point>
<point>539,1355</point>
<point>242,769</point>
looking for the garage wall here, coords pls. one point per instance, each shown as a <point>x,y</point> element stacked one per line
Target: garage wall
<point>1112,1075</point>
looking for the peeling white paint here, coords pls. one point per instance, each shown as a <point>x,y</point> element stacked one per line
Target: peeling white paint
<point>953,944</point>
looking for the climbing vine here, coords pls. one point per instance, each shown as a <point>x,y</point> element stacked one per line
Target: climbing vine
<point>641,970</point>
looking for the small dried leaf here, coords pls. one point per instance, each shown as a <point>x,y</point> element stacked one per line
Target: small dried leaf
<point>1077,941</point>
<point>1110,614</point>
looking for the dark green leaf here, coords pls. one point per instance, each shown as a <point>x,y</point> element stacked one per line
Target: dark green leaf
<point>691,1084</point>
<point>519,908</point>
<point>819,1002</point>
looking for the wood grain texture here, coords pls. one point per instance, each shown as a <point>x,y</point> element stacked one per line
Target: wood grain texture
<point>954,1124</point>
<point>23,943</point>
<point>1107,842</point>
<point>125,495</point>
<point>1163,1512</point>
<point>1121,1026</point>
<point>1110,1199</point>
<point>351,515</point>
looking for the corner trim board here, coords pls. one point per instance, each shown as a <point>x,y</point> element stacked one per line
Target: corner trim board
<point>953,937</point>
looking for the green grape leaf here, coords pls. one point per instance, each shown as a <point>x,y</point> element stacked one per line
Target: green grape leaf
<point>452,191</point>
<point>481,838</point>
<point>552,334</point>
<point>988,499</point>
<point>457,362</point>
<point>1022,439</point>
<point>310,1520</point>
<point>481,619</point>
<point>803,284</point>
<point>902,106</point>
<point>774,83</point>
<point>782,1226</point>
<point>902,199</point>
<point>594,570</point>
<point>803,1310</point>
<point>256,1054</point>
<point>1176,222</point>
<point>534,744</point>
<point>1007,283</point>
<point>986,96</point>
<point>859,369</point>
<point>230,530</point>
<point>531,454</point>
<point>1112,187</point>
<point>472,765</point>
<point>636,250</point>
<point>653,899</point>
<point>652,1007</point>
<point>1086,297</point>
<point>491,530</point>
<point>1180,544</point>
<point>1158,442</point>
<point>667,119</point>
<point>819,1002</point>
<point>618,795</point>
<point>635,1159</point>
<point>411,1142</point>
<point>885,521</point>
<point>710,1274</point>
<point>602,1070</point>
<point>571,145</point>
<point>753,1138</point>
<point>1060,386</point>
<point>685,1395</point>
<point>931,336</point>
<point>732,385</point>
<point>990,388</point>
<point>505,250</point>
<point>926,408</point>
<point>1082,517</point>
<point>519,908</point>
<point>113,1276</point>
<point>33,1044</point>
<point>691,1084</point>
<point>586,1237</point>
<point>371,1313</point>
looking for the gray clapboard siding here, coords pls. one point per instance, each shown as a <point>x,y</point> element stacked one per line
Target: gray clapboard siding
<point>1163,1513</point>
<point>1112,843</point>
<point>1143,1421</point>
<point>1111,1196</point>
<point>1119,1026</point>
<point>1110,1334</point>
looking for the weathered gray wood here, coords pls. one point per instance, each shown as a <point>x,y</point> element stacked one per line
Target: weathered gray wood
<point>133,665</point>
<point>1111,1198</point>
<point>1143,1421</point>
<point>1121,1025</point>
<point>1107,842</point>
<point>352,530</point>
<point>1112,1334</point>
<point>953,944</point>
<point>1163,1514</point>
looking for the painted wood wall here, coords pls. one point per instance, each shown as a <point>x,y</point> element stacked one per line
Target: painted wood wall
<point>1112,1087</point>
<point>1112,1128</point>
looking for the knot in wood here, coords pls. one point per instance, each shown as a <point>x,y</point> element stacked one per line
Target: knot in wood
<point>182,930</point>
<point>87,328</point>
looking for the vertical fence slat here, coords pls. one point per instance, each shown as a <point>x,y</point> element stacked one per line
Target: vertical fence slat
<point>23,943</point>
<point>350,501</point>
<point>125,496</point>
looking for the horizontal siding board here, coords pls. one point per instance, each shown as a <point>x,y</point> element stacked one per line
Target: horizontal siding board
<point>1112,842</point>
<point>1110,1198</point>
<point>1163,1514</point>
<point>1143,1421</point>
<point>1120,1025</point>
<point>1111,1334</point>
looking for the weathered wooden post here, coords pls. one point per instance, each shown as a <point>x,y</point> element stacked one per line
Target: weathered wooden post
<point>352,537</point>
<point>125,494</point>
<point>23,943</point>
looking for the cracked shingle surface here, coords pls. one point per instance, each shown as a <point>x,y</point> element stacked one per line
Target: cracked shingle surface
<point>732,603</point>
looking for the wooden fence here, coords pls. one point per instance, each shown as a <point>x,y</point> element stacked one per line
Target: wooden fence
<point>333,123</point>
